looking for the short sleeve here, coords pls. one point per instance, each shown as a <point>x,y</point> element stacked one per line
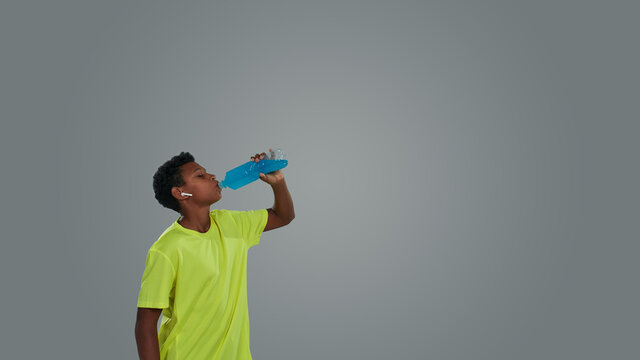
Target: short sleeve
<point>158,281</point>
<point>252,224</point>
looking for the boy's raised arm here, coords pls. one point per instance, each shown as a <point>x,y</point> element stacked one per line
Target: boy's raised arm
<point>282,212</point>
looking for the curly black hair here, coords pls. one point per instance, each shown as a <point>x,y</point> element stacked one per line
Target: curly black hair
<point>167,176</point>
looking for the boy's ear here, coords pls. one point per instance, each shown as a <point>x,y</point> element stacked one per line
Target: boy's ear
<point>175,192</point>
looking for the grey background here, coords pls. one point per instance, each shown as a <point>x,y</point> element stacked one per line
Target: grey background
<point>464,173</point>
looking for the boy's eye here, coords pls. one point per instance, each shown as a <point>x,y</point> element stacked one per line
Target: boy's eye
<point>200,175</point>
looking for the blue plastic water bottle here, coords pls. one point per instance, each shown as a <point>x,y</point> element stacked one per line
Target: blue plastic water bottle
<point>250,171</point>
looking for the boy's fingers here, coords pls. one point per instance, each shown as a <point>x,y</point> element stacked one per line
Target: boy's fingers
<point>258,157</point>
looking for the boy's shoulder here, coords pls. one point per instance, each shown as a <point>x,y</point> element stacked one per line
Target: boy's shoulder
<point>168,242</point>
<point>235,213</point>
<point>174,237</point>
<point>171,239</point>
<point>228,217</point>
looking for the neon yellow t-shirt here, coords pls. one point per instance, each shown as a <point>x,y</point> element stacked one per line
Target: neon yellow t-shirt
<point>200,282</point>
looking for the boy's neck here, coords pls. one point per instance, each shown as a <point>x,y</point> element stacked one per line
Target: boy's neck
<point>200,222</point>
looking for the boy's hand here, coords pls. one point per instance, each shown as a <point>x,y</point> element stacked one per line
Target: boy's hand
<point>272,178</point>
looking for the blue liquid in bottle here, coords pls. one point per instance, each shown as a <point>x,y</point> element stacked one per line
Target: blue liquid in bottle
<point>250,171</point>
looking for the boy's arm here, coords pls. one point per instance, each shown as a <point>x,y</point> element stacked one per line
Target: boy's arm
<point>147,333</point>
<point>282,212</point>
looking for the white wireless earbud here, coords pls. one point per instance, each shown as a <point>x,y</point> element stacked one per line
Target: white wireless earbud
<point>187,194</point>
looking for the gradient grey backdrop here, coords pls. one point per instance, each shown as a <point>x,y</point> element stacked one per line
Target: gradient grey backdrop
<point>464,173</point>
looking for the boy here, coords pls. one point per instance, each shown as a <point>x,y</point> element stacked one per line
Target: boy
<point>195,273</point>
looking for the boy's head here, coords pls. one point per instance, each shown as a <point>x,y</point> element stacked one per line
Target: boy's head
<point>183,174</point>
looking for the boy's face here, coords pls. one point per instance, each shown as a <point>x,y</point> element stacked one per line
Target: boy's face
<point>202,185</point>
